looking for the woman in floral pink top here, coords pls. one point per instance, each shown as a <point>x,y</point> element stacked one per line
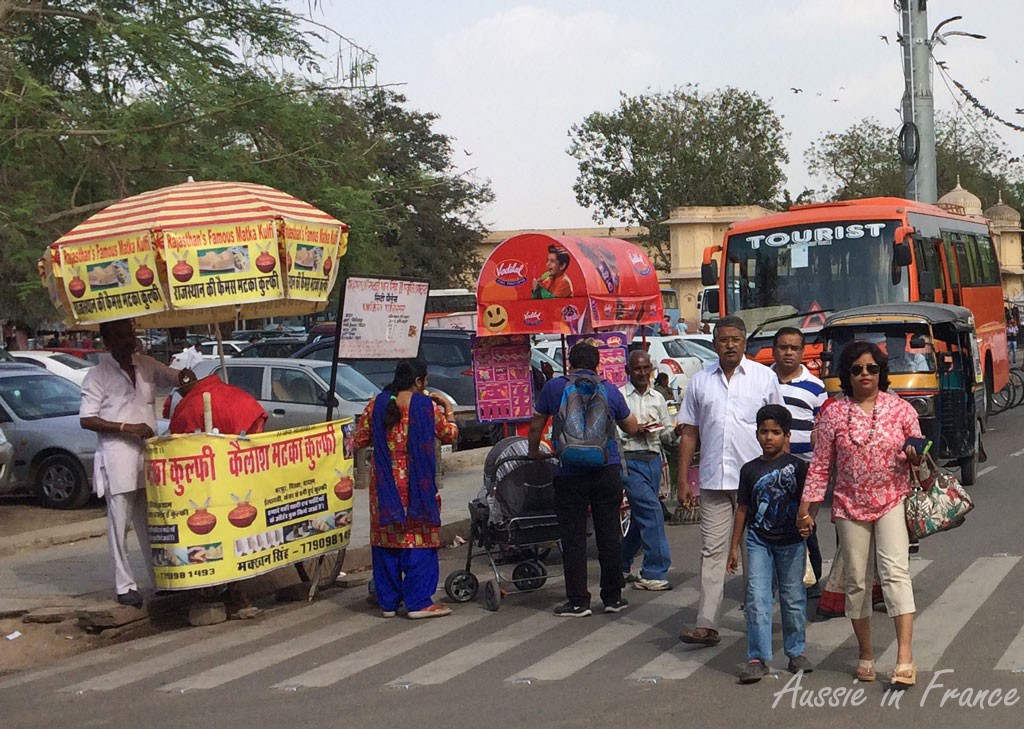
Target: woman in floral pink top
<point>863,438</point>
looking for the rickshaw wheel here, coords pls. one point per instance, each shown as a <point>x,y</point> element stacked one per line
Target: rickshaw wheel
<point>529,576</point>
<point>492,595</point>
<point>969,465</point>
<point>461,586</point>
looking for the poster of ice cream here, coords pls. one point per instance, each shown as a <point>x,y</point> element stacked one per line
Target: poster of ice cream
<point>612,348</point>
<point>504,385</point>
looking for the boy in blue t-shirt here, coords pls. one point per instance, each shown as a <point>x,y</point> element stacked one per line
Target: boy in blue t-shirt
<point>766,505</point>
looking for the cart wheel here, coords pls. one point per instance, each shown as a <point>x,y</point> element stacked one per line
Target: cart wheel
<point>492,595</point>
<point>529,576</point>
<point>461,586</point>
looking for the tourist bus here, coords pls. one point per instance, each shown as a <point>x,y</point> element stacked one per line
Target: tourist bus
<point>796,267</point>
<point>670,304</point>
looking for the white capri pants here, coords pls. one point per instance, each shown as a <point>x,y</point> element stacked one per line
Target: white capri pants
<point>884,542</point>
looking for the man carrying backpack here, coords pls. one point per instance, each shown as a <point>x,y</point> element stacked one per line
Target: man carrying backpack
<point>586,409</point>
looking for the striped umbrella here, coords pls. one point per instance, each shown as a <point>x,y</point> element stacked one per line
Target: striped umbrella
<point>194,253</point>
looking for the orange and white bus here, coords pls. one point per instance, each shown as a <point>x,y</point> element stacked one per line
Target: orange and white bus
<point>796,267</point>
<point>451,309</point>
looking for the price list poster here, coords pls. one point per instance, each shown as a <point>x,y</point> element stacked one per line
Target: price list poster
<point>504,385</point>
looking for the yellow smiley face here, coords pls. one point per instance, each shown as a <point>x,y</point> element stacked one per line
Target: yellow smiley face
<point>495,318</point>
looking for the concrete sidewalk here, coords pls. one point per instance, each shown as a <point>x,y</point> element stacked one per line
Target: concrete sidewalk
<point>69,565</point>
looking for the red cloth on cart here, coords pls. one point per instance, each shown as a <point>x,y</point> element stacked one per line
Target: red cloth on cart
<point>234,410</point>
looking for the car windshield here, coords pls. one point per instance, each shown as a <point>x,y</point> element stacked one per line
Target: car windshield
<point>909,348</point>
<point>683,348</point>
<point>349,384</point>
<point>75,363</point>
<point>810,270</point>
<point>33,397</point>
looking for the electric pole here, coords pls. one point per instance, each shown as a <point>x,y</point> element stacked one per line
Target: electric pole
<point>917,137</point>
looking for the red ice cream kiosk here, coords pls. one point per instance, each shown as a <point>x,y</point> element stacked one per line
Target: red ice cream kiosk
<point>582,288</point>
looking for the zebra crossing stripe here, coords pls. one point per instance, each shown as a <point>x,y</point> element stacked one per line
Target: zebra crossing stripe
<point>1013,659</point>
<point>479,652</point>
<point>608,638</point>
<point>153,665</point>
<point>682,661</point>
<point>954,607</point>
<point>346,626</point>
<point>349,665</point>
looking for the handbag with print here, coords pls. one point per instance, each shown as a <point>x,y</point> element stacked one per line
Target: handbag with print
<point>937,505</point>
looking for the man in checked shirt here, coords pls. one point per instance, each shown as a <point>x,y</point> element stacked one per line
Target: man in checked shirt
<point>642,453</point>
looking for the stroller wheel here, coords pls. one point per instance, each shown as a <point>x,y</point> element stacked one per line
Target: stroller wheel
<point>492,595</point>
<point>461,586</point>
<point>529,575</point>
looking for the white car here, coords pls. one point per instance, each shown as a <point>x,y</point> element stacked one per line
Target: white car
<point>209,351</point>
<point>679,358</point>
<point>65,365</point>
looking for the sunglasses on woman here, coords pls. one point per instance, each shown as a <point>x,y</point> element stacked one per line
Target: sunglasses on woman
<point>872,369</point>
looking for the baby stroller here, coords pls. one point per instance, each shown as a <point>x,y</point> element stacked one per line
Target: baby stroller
<point>512,521</point>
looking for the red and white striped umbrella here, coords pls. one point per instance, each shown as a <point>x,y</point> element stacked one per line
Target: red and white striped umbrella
<point>194,253</point>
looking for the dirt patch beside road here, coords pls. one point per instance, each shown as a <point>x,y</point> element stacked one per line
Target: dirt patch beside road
<point>20,514</point>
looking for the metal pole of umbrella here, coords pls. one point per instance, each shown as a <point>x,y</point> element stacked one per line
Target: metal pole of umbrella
<point>334,360</point>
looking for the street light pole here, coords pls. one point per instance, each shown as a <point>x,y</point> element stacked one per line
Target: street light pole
<point>918,134</point>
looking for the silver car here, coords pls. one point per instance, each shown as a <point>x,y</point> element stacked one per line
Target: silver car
<point>294,391</point>
<point>53,456</point>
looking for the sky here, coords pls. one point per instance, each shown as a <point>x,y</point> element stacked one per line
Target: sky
<point>508,79</point>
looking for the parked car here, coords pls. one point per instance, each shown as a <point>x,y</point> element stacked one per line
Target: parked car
<point>294,391</point>
<point>53,455</point>
<point>65,365</point>
<point>276,347</point>
<point>6,462</point>
<point>449,359</point>
<point>210,351</point>
<point>321,330</point>
<point>678,358</point>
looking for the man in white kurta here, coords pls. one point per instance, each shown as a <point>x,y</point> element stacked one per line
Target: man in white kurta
<point>118,395</point>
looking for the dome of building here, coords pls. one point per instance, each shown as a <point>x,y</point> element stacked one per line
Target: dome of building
<point>1001,213</point>
<point>959,198</point>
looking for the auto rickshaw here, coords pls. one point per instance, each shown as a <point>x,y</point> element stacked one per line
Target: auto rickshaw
<point>933,364</point>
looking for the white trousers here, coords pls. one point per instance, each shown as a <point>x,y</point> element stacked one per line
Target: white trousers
<point>122,510</point>
<point>884,544</point>
<point>717,509</point>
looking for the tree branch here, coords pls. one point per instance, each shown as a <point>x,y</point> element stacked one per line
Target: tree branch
<point>72,212</point>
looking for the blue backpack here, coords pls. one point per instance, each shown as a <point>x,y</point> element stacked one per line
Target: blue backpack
<point>583,428</point>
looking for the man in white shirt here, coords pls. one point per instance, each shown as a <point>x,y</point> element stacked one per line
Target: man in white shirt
<point>117,403</point>
<point>642,452</point>
<point>188,358</point>
<point>681,327</point>
<point>720,407</point>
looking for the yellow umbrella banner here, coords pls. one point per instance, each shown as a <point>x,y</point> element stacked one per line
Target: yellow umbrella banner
<point>111,278</point>
<point>223,508</point>
<point>312,252</point>
<point>214,265</point>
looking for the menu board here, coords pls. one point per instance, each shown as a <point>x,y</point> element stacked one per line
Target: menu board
<point>611,346</point>
<point>504,384</point>
<point>382,318</point>
<point>312,258</point>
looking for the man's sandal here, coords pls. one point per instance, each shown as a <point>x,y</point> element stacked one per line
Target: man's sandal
<point>904,674</point>
<point>865,671</point>
<point>701,636</point>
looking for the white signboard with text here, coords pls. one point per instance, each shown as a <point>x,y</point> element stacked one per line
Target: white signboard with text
<point>382,318</point>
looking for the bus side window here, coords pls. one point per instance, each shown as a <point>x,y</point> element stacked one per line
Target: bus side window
<point>989,261</point>
<point>928,277</point>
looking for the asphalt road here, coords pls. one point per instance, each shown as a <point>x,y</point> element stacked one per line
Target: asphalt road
<point>336,663</point>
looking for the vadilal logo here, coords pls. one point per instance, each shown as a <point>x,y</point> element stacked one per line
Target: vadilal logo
<point>640,263</point>
<point>510,273</point>
<point>533,318</point>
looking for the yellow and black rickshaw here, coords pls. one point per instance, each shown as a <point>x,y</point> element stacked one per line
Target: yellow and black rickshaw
<point>933,364</point>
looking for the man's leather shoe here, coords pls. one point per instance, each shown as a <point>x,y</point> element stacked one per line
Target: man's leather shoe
<point>132,598</point>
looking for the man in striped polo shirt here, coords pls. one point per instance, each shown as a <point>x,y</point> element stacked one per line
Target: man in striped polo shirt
<point>804,395</point>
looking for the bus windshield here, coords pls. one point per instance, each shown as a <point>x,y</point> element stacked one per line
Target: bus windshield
<point>450,301</point>
<point>772,273</point>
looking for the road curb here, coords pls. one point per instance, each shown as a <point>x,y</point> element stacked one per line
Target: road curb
<point>53,536</point>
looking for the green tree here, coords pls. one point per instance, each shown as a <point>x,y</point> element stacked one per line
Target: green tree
<point>658,151</point>
<point>863,161</point>
<point>95,117</point>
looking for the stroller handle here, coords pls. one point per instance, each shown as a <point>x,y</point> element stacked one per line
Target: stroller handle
<point>516,457</point>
